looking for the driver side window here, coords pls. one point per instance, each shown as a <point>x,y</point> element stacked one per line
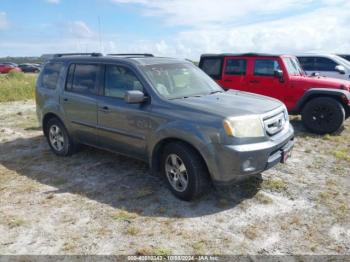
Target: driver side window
<point>118,80</point>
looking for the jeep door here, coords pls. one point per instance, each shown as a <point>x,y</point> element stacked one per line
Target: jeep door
<point>79,101</point>
<point>235,73</point>
<point>122,127</point>
<point>262,79</point>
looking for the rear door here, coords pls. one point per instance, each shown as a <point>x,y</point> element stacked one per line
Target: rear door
<point>79,100</point>
<point>262,79</point>
<point>122,127</point>
<point>235,74</point>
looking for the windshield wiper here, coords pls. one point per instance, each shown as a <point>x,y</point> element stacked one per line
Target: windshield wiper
<point>214,92</point>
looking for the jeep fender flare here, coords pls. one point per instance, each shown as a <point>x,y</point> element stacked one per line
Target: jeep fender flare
<point>342,96</point>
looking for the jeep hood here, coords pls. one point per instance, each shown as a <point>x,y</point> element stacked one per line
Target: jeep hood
<point>321,81</point>
<point>230,103</point>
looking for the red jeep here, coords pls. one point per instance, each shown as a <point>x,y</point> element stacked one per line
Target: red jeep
<point>324,103</point>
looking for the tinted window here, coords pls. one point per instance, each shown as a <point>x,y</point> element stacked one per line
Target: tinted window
<point>324,64</point>
<point>236,67</point>
<point>50,75</point>
<point>265,67</point>
<point>83,79</point>
<point>212,66</point>
<point>307,63</point>
<point>120,79</point>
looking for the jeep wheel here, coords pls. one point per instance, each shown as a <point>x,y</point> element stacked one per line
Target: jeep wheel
<point>323,115</point>
<point>184,170</point>
<point>58,138</point>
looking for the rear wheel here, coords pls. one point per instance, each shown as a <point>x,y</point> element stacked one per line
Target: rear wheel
<point>323,115</point>
<point>58,138</point>
<point>185,172</point>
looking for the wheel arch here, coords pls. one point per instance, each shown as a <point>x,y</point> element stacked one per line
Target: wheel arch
<point>341,96</point>
<point>158,149</point>
<point>47,117</point>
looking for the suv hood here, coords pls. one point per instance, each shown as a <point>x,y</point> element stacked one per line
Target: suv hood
<point>230,103</point>
<point>321,81</point>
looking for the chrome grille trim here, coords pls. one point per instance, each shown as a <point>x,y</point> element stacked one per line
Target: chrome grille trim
<point>276,122</point>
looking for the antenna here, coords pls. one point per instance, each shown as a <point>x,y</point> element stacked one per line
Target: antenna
<point>99,32</point>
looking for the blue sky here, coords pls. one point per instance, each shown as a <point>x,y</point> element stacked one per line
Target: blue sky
<point>180,28</point>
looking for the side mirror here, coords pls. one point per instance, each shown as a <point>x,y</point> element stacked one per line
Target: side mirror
<point>279,74</point>
<point>134,97</point>
<point>340,69</point>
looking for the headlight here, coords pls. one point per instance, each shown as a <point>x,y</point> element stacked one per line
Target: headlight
<point>244,126</point>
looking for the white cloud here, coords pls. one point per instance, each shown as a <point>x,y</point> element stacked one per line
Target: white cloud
<point>80,29</point>
<point>213,26</point>
<point>200,13</point>
<point>53,1</point>
<point>4,24</point>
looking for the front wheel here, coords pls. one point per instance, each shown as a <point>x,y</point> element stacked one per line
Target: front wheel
<point>185,171</point>
<point>323,115</point>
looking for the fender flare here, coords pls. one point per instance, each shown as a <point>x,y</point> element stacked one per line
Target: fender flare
<point>342,96</point>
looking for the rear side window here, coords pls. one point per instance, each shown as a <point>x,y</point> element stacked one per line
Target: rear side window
<point>118,80</point>
<point>212,66</point>
<point>83,78</point>
<point>236,67</point>
<point>50,75</point>
<point>324,64</point>
<point>265,67</point>
<point>307,63</point>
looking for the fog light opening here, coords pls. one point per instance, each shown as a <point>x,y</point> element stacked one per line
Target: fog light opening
<point>247,166</point>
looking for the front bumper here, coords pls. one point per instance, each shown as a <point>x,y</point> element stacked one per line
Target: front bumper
<point>228,163</point>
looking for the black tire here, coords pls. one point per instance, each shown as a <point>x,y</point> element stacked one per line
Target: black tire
<point>323,115</point>
<point>196,171</point>
<point>68,146</point>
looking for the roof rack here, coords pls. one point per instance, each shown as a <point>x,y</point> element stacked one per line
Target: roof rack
<point>135,54</point>
<point>77,54</point>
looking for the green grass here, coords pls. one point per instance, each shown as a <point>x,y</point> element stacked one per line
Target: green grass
<point>17,86</point>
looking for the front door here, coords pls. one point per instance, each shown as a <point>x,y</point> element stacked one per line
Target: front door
<point>122,127</point>
<point>262,79</point>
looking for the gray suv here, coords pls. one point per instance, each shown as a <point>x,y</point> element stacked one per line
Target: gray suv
<point>164,111</point>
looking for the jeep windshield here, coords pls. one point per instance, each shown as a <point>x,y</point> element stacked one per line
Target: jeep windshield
<point>174,81</point>
<point>293,66</point>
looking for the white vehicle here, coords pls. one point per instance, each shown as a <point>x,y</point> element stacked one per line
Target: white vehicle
<point>328,65</point>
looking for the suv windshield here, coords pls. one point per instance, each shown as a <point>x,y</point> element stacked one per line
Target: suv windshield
<point>180,80</point>
<point>293,66</point>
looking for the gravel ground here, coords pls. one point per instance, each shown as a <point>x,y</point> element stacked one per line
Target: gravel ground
<point>96,202</point>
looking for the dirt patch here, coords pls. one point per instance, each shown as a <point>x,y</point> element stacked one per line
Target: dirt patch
<point>96,202</point>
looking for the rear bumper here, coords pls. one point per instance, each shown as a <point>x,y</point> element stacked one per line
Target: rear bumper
<point>230,162</point>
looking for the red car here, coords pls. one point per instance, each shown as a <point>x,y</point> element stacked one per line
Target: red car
<point>8,67</point>
<point>324,103</point>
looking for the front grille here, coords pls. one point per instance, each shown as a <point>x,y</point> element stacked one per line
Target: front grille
<point>275,123</point>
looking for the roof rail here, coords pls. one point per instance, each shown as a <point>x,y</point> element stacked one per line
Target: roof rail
<point>146,55</point>
<point>78,54</point>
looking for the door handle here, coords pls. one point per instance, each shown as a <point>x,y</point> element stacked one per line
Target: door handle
<point>228,80</point>
<point>254,81</point>
<point>65,99</point>
<point>104,108</point>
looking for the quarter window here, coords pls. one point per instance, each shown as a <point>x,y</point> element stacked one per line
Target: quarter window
<point>50,75</point>
<point>236,67</point>
<point>118,80</point>
<point>265,67</point>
